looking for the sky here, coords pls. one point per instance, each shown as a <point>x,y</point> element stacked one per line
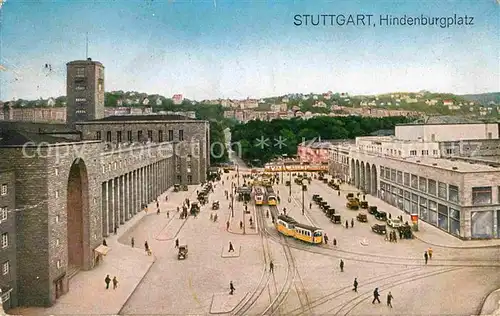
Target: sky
<point>238,49</point>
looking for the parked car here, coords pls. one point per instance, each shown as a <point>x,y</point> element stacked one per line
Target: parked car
<point>394,222</point>
<point>362,217</point>
<point>372,210</point>
<point>379,229</point>
<point>381,216</point>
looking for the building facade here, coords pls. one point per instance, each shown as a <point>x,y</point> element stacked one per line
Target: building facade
<point>84,91</point>
<point>314,152</point>
<point>459,194</point>
<point>8,278</point>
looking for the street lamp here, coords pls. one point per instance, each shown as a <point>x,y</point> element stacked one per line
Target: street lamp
<point>303,190</point>
<point>232,200</point>
<point>290,187</point>
<point>238,174</point>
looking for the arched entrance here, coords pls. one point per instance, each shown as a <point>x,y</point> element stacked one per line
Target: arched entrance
<point>368,177</point>
<point>353,172</point>
<point>362,176</point>
<point>356,177</point>
<point>77,213</point>
<point>374,181</point>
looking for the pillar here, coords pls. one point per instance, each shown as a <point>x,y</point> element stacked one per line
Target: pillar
<point>104,209</point>
<point>121,210</point>
<point>111,205</point>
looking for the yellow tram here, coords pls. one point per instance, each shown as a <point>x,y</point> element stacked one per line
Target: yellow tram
<point>290,227</point>
<point>271,199</point>
<point>259,196</point>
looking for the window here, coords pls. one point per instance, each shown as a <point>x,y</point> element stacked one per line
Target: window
<point>100,86</point>
<point>57,218</point>
<point>413,152</point>
<point>5,240</point>
<point>4,189</point>
<point>80,72</point>
<point>414,181</point>
<point>129,136</point>
<point>119,136</point>
<point>170,135</point>
<point>188,168</point>
<point>181,135</point>
<point>481,195</point>
<point>431,187</point>
<point>5,268</point>
<point>453,193</point>
<point>80,100</point>
<point>400,177</point>
<point>3,213</point>
<point>139,136</point>
<point>387,173</point>
<point>393,175</point>
<point>423,201</point>
<point>406,180</point>
<point>98,135</point>
<point>58,264</point>
<point>490,136</point>
<point>432,205</point>
<point>449,151</point>
<point>188,158</point>
<point>433,137</point>
<point>454,213</point>
<point>189,179</point>
<point>382,172</point>
<point>435,152</point>
<point>160,136</point>
<point>150,135</point>
<point>80,88</point>
<point>442,190</point>
<point>57,194</point>
<point>422,184</point>
<point>108,136</point>
<point>425,152</point>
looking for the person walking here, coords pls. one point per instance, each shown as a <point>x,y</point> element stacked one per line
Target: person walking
<point>231,248</point>
<point>326,239</point>
<point>271,267</point>
<point>376,296</point>
<point>107,280</point>
<point>389,299</point>
<point>352,222</point>
<point>177,243</point>
<point>310,205</point>
<point>227,225</point>
<point>355,284</point>
<point>146,246</point>
<point>341,265</point>
<point>115,283</point>
<point>158,211</point>
<point>241,224</point>
<point>104,243</point>
<point>334,242</point>
<point>168,214</point>
<point>132,242</point>
<point>429,251</point>
<point>346,224</point>
<point>231,288</point>
<point>426,257</point>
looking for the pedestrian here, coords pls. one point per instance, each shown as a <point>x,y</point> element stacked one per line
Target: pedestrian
<point>227,225</point>
<point>334,242</point>
<point>146,246</point>
<point>157,204</point>
<point>231,288</point>
<point>158,211</point>
<point>395,237</point>
<point>310,205</point>
<point>211,216</point>
<point>352,222</point>
<point>168,214</point>
<point>341,265</point>
<point>231,248</point>
<point>389,299</point>
<point>376,296</point>
<point>177,243</point>
<point>132,242</point>
<point>355,289</point>
<point>271,267</point>
<point>107,280</point>
<point>104,243</point>
<point>115,283</point>
<point>347,224</point>
<point>284,211</point>
<point>116,229</point>
<point>364,197</point>
<point>429,251</point>
<point>241,224</point>
<point>215,217</point>
<point>426,257</point>
<point>246,207</point>
<point>326,239</point>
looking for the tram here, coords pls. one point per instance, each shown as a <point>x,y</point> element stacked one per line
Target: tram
<point>271,197</point>
<point>287,226</point>
<point>259,196</point>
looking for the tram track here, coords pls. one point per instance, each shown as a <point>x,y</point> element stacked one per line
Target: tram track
<point>473,262</point>
<point>345,308</point>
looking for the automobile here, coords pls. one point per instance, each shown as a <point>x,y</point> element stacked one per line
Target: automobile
<point>379,229</point>
<point>362,217</point>
<point>315,197</point>
<point>381,216</point>
<point>394,223</point>
<point>372,210</point>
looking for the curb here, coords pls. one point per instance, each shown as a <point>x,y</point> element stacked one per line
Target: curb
<point>138,284</point>
<point>455,247</point>
<point>480,310</point>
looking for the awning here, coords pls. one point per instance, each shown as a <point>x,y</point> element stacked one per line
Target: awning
<point>103,250</point>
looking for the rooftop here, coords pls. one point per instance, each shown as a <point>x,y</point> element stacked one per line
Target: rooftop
<point>450,164</point>
<point>87,61</point>
<point>9,137</point>
<point>444,120</point>
<point>128,118</point>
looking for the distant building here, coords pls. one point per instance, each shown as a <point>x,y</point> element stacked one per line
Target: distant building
<point>447,102</point>
<point>314,152</point>
<point>85,91</point>
<point>178,98</point>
